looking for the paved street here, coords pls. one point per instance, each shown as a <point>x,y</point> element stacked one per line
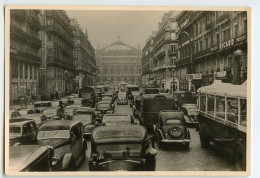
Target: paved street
<point>175,158</point>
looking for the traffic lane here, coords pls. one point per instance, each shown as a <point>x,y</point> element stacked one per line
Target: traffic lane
<point>119,109</point>
<point>173,157</point>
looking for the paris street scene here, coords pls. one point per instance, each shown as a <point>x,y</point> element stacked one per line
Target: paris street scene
<point>100,90</point>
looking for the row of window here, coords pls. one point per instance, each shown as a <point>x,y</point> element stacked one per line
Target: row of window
<point>226,108</point>
<point>24,47</point>
<point>24,70</point>
<point>60,42</point>
<point>57,54</point>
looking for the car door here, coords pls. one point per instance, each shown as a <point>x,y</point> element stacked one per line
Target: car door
<point>77,141</point>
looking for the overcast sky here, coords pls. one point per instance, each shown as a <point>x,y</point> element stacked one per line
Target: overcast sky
<point>133,27</point>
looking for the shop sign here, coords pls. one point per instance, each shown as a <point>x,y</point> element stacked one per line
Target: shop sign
<point>241,38</point>
<point>220,74</point>
<point>190,77</point>
<point>227,44</point>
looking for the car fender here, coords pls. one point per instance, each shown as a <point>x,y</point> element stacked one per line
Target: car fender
<point>66,161</point>
<point>159,130</point>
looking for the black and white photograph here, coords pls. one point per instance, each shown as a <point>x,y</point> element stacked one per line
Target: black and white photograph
<point>112,89</point>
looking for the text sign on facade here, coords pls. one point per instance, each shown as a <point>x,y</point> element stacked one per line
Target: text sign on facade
<point>190,77</point>
<point>227,44</point>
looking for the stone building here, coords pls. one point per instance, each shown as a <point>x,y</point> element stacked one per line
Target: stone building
<point>147,77</point>
<point>118,62</point>
<point>58,67</point>
<point>211,45</point>
<point>24,59</point>
<point>161,52</point>
<point>84,54</point>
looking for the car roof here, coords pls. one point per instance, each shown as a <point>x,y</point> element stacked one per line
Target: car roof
<point>40,102</point>
<point>171,113</point>
<point>114,133</point>
<point>72,106</point>
<point>20,121</point>
<point>65,124</point>
<point>104,102</point>
<point>23,155</point>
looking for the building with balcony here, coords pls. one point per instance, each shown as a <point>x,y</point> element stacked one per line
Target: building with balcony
<point>84,54</point>
<point>58,66</point>
<point>24,58</point>
<point>211,45</point>
<point>118,62</point>
<point>146,60</point>
<point>163,45</point>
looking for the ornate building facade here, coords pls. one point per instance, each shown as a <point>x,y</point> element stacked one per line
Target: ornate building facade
<point>84,54</point>
<point>211,45</point>
<point>118,62</point>
<point>58,66</point>
<point>24,59</point>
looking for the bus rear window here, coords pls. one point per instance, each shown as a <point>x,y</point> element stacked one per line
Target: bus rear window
<point>243,112</point>
<point>203,102</point>
<point>232,110</point>
<point>220,112</point>
<point>210,105</point>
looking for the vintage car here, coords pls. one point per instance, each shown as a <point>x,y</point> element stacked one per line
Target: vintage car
<point>124,148</point>
<point>121,98</point>
<point>51,113</point>
<point>68,111</point>
<point>22,131</point>
<point>86,115</point>
<point>190,112</point>
<point>67,140</point>
<point>184,97</point>
<point>30,158</point>
<point>14,113</point>
<point>39,106</point>
<point>171,128</point>
<point>25,111</point>
<point>117,119</point>
<point>103,107</point>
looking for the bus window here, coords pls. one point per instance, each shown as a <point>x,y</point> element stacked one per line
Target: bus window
<point>220,111</point>
<point>243,112</point>
<point>203,102</point>
<point>210,105</point>
<point>232,110</point>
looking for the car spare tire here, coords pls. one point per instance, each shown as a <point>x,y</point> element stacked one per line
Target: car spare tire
<point>175,132</point>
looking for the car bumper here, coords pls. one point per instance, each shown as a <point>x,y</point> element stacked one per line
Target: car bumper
<point>176,141</point>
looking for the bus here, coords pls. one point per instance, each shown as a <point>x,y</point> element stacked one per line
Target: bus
<point>151,105</point>
<point>223,119</point>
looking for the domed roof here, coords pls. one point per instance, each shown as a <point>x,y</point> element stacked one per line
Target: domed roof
<point>118,45</point>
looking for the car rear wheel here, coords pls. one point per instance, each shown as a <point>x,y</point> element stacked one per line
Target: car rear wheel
<point>240,160</point>
<point>204,141</point>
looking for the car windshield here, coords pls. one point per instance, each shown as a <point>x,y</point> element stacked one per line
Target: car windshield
<point>119,149</point>
<point>85,119</point>
<point>42,135</point>
<point>50,111</point>
<point>14,129</point>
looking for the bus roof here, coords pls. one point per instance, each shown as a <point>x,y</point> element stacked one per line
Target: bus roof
<point>225,88</point>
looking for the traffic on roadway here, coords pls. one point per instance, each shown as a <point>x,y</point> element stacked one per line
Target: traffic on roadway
<point>122,127</point>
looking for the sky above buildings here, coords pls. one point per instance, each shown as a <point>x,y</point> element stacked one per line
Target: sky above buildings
<point>104,27</point>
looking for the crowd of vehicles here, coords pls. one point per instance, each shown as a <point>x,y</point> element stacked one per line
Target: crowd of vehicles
<point>118,141</point>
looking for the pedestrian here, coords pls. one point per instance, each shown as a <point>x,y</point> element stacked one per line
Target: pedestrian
<point>56,95</point>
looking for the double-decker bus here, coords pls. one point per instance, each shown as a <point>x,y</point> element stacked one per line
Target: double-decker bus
<point>223,118</point>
